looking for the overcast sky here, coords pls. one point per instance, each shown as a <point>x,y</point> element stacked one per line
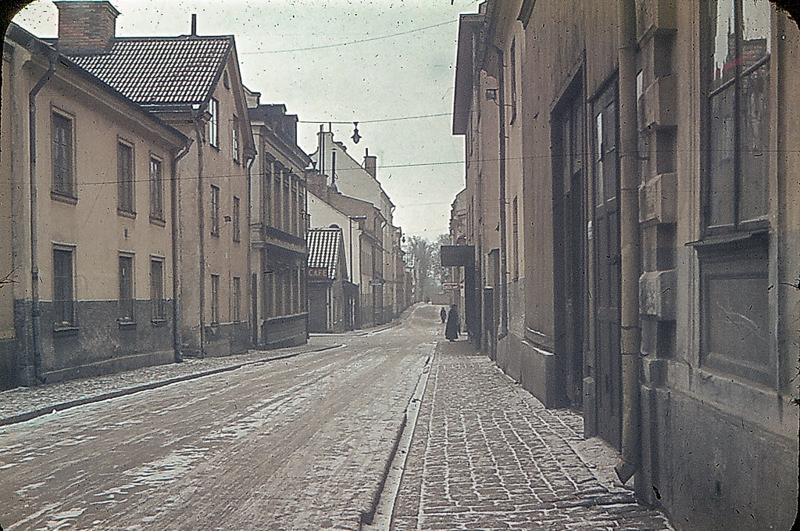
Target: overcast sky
<point>404,66</point>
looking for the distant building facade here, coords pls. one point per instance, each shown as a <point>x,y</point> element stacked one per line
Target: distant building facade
<point>348,177</point>
<point>278,228</point>
<point>366,226</point>
<point>327,280</point>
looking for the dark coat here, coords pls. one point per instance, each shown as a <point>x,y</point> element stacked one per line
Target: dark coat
<point>453,326</point>
<point>443,314</point>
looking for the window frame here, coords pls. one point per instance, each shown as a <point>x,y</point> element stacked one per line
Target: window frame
<point>237,230</point>
<point>157,300</point>
<point>215,210</point>
<point>236,299</point>
<point>156,189</point>
<point>235,139</point>
<point>738,228</point>
<point>513,79</point>
<point>127,290</point>
<point>126,187</point>
<point>63,186</point>
<point>214,299</point>
<point>734,254</point>
<point>68,286</point>
<point>213,123</point>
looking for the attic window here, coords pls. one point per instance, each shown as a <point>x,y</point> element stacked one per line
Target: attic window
<point>225,81</point>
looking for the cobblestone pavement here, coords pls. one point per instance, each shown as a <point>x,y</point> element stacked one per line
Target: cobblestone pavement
<point>487,455</point>
<point>24,403</point>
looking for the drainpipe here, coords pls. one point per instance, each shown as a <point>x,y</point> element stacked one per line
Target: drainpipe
<point>629,242</point>
<point>248,281</point>
<point>198,130</point>
<point>35,310</point>
<point>176,276</point>
<point>503,242</point>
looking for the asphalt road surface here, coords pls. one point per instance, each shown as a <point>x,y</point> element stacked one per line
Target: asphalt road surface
<point>294,444</point>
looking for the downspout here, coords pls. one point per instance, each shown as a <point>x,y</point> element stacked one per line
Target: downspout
<point>176,277</point>
<point>198,130</point>
<point>252,320</point>
<point>35,310</point>
<point>629,242</point>
<point>503,240</point>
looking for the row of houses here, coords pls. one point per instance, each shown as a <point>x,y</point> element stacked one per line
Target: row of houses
<point>627,238</point>
<point>153,208</point>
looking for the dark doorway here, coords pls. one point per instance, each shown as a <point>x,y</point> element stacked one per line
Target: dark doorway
<point>607,267</point>
<point>569,176</point>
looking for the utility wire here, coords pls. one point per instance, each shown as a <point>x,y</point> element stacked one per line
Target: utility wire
<point>376,120</point>
<point>358,41</point>
<point>405,165</point>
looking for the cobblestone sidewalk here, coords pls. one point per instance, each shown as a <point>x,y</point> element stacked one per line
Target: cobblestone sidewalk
<point>487,455</point>
<point>24,403</point>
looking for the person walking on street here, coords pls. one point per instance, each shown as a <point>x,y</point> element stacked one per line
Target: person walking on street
<point>453,327</point>
<point>443,315</point>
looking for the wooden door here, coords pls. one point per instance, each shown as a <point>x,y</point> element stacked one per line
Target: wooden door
<point>607,268</point>
<point>569,178</point>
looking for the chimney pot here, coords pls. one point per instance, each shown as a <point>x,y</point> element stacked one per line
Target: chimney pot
<point>194,24</point>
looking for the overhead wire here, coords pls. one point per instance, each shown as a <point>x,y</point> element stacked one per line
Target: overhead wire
<point>348,43</point>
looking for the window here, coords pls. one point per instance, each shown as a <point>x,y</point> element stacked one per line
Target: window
<point>237,298</point>
<point>513,79</point>
<point>63,295</point>
<point>269,293</point>
<point>734,285</point>
<point>277,198</point>
<point>515,232</point>
<point>63,178</point>
<point>156,190</point>
<point>214,210</point>
<point>157,290</point>
<point>125,177</point>
<point>286,202</point>
<point>266,205</point>
<point>236,228</point>
<point>235,139</point>
<point>213,123</point>
<point>295,209</point>
<point>214,299</point>
<point>737,72</point>
<point>126,288</point>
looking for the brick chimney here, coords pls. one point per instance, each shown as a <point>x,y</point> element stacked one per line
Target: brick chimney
<point>86,27</point>
<point>371,164</point>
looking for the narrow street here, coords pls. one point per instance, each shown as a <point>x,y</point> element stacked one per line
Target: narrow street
<point>304,441</point>
<point>293,444</point>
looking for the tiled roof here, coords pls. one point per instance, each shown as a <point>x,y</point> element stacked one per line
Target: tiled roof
<point>323,249</point>
<point>160,70</point>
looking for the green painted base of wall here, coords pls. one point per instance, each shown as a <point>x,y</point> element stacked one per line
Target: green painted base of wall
<point>226,339</point>
<point>288,331</point>
<point>97,342</point>
<point>8,364</point>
